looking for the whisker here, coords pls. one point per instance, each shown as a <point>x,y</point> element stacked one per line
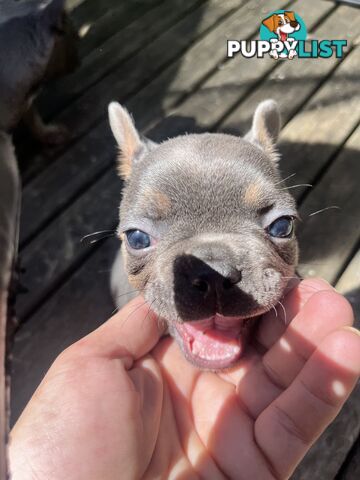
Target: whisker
<point>324,210</point>
<point>109,233</point>
<point>284,310</point>
<point>127,293</point>
<point>146,316</point>
<point>276,313</point>
<point>135,310</point>
<point>286,178</point>
<point>296,186</point>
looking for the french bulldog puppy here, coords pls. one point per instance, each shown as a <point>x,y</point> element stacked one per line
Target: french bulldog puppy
<point>207,232</point>
<point>37,44</point>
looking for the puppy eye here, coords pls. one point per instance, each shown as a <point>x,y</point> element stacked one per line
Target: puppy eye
<point>137,239</point>
<point>281,228</point>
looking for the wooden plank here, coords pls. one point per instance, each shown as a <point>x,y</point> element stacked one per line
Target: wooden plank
<point>72,4</point>
<point>137,71</point>
<point>327,239</point>
<point>89,11</point>
<point>58,249</point>
<point>349,282</point>
<point>112,53</point>
<point>294,82</point>
<point>351,468</point>
<point>95,151</point>
<point>233,82</point>
<point>93,35</point>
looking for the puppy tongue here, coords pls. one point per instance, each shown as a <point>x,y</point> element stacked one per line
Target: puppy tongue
<point>283,36</point>
<point>213,344</point>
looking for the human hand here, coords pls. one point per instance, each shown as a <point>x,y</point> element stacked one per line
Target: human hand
<point>107,409</point>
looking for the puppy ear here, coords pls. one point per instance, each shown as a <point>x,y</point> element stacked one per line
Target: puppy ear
<point>270,23</point>
<point>266,128</point>
<point>127,137</point>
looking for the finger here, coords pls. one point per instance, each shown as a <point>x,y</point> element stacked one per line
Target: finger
<point>324,312</point>
<point>181,378</point>
<point>168,455</point>
<point>260,380</point>
<point>226,430</point>
<point>274,323</point>
<point>147,379</point>
<point>254,387</point>
<point>129,334</point>
<point>288,427</point>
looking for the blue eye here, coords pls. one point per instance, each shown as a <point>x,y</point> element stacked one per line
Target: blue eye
<point>137,239</point>
<point>281,227</point>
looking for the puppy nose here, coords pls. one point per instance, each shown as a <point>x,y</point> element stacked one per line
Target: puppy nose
<point>294,23</point>
<point>215,279</point>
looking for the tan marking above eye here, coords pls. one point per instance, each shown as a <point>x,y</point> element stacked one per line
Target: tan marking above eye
<point>253,194</point>
<point>159,202</point>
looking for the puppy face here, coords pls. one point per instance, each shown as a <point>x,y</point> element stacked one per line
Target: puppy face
<point>282,24</point>
<point>208,232</point>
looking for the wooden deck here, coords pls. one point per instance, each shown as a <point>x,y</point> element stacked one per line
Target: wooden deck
<point>165,60</point>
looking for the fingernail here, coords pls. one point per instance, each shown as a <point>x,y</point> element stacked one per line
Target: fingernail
<point>353,330</point>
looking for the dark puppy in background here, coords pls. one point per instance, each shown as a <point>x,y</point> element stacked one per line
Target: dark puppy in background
<point>208,233</point>
<point>37,44</point>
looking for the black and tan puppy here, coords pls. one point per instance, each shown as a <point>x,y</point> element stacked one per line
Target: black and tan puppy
<point>37,44</point>
<point>207,230</point>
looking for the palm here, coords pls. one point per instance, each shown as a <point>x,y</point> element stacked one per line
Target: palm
<point>106,409</point>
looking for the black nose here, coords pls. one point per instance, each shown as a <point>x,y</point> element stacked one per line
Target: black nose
<point>202,288</point>
<point>294,23</point>
<point>216,279</point>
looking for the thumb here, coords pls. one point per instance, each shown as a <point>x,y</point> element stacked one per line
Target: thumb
<point>131,333</point>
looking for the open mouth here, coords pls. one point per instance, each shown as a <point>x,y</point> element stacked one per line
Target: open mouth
<point>283,36</point>
<point>215,343</point>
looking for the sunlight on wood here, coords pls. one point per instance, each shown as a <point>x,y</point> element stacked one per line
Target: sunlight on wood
<point>84,29</point>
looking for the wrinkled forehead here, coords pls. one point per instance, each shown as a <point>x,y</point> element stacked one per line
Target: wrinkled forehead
<point>208,176</point>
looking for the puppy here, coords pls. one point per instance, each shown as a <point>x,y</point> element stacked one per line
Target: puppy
<point>283,24</point>
<point>37,44</point>
<point>207,232</point>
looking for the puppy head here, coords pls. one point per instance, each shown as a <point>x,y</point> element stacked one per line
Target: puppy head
<point>207,230</point>
<point>282,24</point>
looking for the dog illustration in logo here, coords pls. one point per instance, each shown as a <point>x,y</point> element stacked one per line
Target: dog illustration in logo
<point>283,25</point>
